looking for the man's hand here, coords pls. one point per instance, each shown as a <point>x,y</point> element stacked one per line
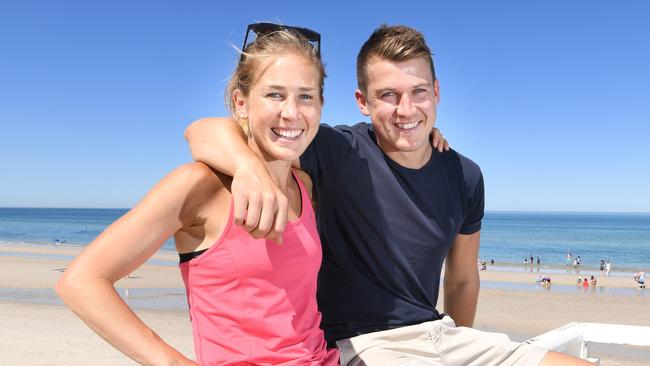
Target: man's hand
<point>259,205</point>
<point>439,142</point>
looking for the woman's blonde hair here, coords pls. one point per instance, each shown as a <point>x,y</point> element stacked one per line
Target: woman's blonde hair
<point>254,58</point>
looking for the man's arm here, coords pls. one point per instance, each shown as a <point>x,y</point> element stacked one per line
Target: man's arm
<point>259,206</point>
<point>462,283</point>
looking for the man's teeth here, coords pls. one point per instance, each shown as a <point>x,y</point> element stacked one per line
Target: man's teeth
<point>289,134</point>
<point>407,126</point>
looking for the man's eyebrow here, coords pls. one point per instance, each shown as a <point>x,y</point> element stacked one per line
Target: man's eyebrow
<point>390,89</point>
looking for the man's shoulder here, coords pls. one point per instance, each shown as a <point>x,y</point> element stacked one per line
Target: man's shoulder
<point>359,127</point>
<point>454,157</point>
<point>469,169</point>
<point>467,163</point>
<point>350,135</point>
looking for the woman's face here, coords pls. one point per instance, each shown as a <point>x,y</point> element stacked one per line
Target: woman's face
<point>284,107</point>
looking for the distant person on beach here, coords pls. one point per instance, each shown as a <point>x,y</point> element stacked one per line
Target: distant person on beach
<point>251,301</point>
<point>641,279</point>
<point>538,261</point>
<point>608,268</point>
<point>568,259</point>
<point>602,266</point>
<point>593,281</point>
<point>391,209</point>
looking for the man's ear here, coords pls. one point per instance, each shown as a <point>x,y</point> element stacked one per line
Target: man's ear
<point>436,92</point>
<point>240,104</point>
<point>362,102</point>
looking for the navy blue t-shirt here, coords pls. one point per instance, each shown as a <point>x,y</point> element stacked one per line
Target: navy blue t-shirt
<point>385,229</point>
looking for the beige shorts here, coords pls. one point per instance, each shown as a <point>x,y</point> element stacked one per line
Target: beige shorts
<point>437,342</point>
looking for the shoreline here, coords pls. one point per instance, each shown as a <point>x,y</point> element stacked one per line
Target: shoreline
<point>166,254</point>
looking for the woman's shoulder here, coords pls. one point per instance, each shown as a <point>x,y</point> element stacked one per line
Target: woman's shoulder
<point>197,181</point>
<point>200,187</point>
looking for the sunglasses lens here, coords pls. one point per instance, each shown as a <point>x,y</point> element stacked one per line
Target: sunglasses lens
<point>309,34</point>
<point>262,29</point>
<point>265,28</point>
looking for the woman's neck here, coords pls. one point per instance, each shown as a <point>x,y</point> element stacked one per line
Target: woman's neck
<point>279,170</point>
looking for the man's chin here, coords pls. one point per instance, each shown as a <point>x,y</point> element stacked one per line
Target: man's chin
<point>412,146</point>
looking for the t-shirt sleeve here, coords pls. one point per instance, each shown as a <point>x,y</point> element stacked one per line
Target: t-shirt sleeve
<point>475,203</point>
<point>326,152</point>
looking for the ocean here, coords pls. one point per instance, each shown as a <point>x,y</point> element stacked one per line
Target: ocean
<point>506,237</point>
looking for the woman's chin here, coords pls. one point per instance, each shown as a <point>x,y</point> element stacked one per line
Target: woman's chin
<point>285,154</point>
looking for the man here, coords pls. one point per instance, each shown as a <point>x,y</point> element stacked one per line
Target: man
<point>391,209</point>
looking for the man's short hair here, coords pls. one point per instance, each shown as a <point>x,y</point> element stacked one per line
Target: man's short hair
<point>393,43</point>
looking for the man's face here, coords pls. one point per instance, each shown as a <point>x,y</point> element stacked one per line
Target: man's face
<point>401,100</point>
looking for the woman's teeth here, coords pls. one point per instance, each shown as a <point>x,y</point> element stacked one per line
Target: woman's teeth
<point>287,134</point>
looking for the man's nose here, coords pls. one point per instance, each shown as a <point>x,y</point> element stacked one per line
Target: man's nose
<point>405,105</point>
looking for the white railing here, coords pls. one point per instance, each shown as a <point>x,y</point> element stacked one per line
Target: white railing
<point>574,338</point>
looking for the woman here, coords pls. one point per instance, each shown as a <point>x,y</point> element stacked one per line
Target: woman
<point>251,300</point>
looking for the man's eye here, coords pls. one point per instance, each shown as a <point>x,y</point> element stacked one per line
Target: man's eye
<point>306,97</point>
<point>274,95</point>
<point>387,94</point>
<point>419,91</point>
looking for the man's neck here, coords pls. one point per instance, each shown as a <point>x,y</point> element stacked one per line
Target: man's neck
<point>411,159</point>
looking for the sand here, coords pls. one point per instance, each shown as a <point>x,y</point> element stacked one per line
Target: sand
<point>44,332</point>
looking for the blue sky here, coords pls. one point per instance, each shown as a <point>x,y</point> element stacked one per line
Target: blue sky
<point>551,98</point>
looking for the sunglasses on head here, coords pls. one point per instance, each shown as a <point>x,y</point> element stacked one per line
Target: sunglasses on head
<point>262,29</point>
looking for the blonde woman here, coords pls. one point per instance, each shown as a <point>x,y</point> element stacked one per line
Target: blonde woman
<point>251,300</point>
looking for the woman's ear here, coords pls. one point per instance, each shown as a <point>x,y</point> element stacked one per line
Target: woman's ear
<point>240,104</point>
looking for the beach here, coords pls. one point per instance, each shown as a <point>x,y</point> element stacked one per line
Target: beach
<point>38,330</point>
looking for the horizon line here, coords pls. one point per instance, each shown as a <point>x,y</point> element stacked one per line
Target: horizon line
<point>486,211</point>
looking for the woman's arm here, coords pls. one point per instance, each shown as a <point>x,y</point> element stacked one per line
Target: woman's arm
<point>87,284</point>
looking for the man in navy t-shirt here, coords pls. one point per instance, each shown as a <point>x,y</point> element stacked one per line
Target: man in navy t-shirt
<point>391,210</point>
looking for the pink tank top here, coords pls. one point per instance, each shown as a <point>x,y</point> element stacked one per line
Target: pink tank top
<point>254,302</point>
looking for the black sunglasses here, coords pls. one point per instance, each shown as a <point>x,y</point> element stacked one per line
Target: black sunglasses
<point>262,29</point>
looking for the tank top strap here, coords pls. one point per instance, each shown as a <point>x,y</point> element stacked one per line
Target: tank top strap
<point>305,198</point>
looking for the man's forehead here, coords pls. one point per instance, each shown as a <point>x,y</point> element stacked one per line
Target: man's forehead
<point>383,71</point>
